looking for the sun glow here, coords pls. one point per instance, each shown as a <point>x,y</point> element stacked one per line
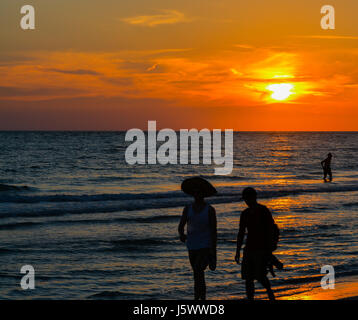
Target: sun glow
<point>280,91</point>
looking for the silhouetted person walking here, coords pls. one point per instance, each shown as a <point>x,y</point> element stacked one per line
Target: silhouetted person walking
<point>258,222</point>
<point>326,165</point>
<point>200,218</point>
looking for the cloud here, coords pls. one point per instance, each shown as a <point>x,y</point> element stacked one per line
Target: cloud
<point>223,78</point>
<point>134,65</point>
<point>76,72</point>
<point>244,46</point>
<point>20,92</point>
<point>166,17</point>
<point>8,59</point>
<point>122,81</point>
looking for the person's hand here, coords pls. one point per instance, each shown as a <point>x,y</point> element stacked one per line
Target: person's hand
<point>237,257</point>
<point>182,237</point>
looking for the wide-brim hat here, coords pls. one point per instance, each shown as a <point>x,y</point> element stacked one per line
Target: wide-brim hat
<point>198,186</point>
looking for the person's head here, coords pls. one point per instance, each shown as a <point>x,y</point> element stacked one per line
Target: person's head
<point>198,195</point>
<point>249,195</point>
<point>329,155</point>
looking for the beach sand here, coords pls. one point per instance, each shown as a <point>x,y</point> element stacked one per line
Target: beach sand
<point>345,290</point>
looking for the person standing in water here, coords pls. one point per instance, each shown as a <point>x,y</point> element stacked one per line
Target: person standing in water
<point>200,218</point>
<point>326,166</point>
<point>258,222</point>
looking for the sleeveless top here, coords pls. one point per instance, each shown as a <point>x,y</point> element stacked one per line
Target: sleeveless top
<point>198,229</point>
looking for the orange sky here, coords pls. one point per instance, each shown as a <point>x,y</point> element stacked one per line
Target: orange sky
<point>109,65</point>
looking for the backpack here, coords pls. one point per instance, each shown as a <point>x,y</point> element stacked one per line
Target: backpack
<point>275,236</point>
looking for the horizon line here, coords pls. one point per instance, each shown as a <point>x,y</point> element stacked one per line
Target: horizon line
<point>177,130</point>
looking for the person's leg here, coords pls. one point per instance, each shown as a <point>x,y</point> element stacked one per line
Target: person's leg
<point>247,272</point>
<point>197,287</point>
<point>270,269</point>
<point>200,284</point>
<point>330,175</point>
<point>203,288</point>
<point>203,262</point>
<point>266,284</point>
<point>250,289</point>
<point>193,257</point>
<point>199,261</point>
<point>325,174</point>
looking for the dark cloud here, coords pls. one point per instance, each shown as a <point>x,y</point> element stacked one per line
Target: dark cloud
<point>134,65</point>
<point>7,59</point>
<point>141,66</point>
<point>122,81</point>
<point>76,72</point>
<point>10,92</point>
<point>82,113</point>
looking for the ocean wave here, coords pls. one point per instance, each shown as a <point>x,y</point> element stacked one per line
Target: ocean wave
<point>140,245</point>
<point>87,198</point>
<point>299,279</point>
<point>351,204</point>
<point>318,228</point>
<point>218,177</point>
<point>17,225</point>
<point>63,204</point>
<point>8,187</point>
<point>314,278</point>
<point>228,192</point>
<point>150,219</point>
<point>110,179</point>
<point>108,294</point>
<point>119,294</point>
<point>7,251</point>
<point>143,242</point>
<point>9,170</point>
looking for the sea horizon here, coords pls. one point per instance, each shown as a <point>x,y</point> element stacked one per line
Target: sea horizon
<point>178,130</point>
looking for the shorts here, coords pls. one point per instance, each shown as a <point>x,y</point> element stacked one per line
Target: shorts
<point>254,265</point>
<point>199,259</point>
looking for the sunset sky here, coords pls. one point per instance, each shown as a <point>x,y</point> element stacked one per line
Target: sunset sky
<point>114,65</point>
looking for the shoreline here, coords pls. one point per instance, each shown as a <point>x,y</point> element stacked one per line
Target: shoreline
<point>345,289</point>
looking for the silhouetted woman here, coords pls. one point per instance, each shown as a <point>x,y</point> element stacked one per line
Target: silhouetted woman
<point>200,218</point>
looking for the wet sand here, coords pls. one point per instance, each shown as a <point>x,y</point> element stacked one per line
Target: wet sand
<point>345,290</point>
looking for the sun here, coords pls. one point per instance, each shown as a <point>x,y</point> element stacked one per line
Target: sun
<point>280,91</point>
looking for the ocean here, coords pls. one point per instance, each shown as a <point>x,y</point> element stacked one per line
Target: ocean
<point>94,227</point>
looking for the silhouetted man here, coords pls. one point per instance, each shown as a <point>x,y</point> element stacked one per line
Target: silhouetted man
<point>258,222</point>
<point>326,165</point>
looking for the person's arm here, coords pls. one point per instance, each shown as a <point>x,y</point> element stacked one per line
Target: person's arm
<point>323,163</point>
<point>270,224</point>
<point>240,236</point>
<point>213,225</point>
<point>182,223</point>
